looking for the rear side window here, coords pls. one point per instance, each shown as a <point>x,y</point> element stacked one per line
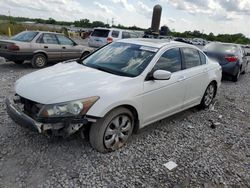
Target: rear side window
<point>48,38</point>
<point>169,61</point>
<point>133,35</point>
<point>100,33</point>
<point>203,58</point>
<point>115,34</point>
<point>191,57</point>
<point>125,35</point>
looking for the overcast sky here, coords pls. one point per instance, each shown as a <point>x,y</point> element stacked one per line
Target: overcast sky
<point>217,16</point>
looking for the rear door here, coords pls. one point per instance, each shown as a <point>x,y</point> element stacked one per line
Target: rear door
<point>99,37</point>
<point>69,49</point>
<point>196,75</point>
<point>49,44</point>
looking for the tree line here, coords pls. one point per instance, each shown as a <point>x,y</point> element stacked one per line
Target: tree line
<point>85,23</point>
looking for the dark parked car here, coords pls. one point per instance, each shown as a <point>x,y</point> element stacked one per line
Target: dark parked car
<point>232,58</point>
<point>41,47</point>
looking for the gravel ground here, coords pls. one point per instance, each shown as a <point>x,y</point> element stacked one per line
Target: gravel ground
<point>206,157</point>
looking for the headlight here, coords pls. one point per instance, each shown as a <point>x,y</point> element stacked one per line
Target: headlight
<point>68,109</point>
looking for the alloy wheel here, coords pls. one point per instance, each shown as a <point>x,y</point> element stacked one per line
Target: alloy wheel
<point>40,61</point>
<point>118,132</point>
<point>209,95</point>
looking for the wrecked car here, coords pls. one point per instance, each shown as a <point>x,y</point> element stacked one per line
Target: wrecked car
<point>116,90</point>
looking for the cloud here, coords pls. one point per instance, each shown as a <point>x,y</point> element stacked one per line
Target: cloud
<point>171,20</point>
<point>125,4</point>
<point>103,7</point>
<point>144,9</point>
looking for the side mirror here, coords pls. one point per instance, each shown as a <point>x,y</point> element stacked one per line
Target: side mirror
<point>161,75</point>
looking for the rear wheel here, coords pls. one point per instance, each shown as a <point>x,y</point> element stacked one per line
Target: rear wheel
<point>208,96</point>
<point>237,76</point>
<point>18,62</point>
<point>113,131</point>
<point>39,61</point>
<point>244,72</point>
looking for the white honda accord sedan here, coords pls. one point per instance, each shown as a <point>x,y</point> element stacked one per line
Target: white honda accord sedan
<point>115,91</point>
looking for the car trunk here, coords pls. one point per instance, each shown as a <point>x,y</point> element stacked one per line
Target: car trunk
<point>220,57</point>
<point>4,45</point>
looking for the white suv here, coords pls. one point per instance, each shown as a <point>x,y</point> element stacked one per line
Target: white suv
<point>101,36</point>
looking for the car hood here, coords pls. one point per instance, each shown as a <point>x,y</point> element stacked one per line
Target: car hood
<point>66,82</point>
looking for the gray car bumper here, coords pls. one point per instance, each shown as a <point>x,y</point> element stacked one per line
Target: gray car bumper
<point>56,128</point>
<point>21,118</point>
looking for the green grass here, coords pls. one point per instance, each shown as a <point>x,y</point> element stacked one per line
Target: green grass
<point>17,28</point>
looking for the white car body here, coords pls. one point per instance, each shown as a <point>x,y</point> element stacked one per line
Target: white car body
<point>153,100</point>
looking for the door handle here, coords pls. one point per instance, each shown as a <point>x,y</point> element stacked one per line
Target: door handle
<point>45,46</point>
<point>181,78</point>
<point>63,47</point>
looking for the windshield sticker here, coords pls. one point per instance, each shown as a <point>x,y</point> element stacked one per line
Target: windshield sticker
<point>146,48</point>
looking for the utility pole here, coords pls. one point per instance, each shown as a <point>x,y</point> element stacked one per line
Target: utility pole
<point>112,21</point>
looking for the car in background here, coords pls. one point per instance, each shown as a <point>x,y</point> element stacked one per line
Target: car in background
<point>102,36</point>
<point>231,57</point>
<point>115,91</point>
<point>41,47</point>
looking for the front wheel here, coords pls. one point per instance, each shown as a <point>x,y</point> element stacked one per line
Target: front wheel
<point>84,54</point>
<point>112,131</point>
<point>208,96</point>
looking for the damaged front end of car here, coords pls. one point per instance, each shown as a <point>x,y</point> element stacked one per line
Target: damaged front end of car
<point>62,119</point>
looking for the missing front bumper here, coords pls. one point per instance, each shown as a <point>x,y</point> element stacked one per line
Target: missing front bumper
<point>57,128</point>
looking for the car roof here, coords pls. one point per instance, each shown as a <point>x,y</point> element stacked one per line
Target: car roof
<point>44,32</point>
<point>112,28</point>
<point>226,43</point>
<point>156,43</point>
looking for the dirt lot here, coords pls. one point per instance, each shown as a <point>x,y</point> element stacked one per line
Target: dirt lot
<point>218,156</point>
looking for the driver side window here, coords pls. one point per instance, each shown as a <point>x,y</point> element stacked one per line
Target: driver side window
<point>64,40</point>
<point>169,61</point>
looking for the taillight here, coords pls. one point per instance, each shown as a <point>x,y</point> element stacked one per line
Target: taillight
<point>231,59</point>
<point>109,39</point>
<point>13,47</point>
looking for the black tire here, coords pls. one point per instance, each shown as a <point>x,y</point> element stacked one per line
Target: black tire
<point>236,77</point>
<point>85,54</point>
<point>39,61</point>
<point>18,62</point>
<point>244,72</point>
<point>204,102</point>
<point>98,130</point>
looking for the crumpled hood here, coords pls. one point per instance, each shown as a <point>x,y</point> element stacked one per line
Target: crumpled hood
<point>66,82</point>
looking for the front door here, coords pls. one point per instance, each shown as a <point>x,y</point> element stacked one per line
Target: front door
<point>164,97</point>
<point>69,49</point>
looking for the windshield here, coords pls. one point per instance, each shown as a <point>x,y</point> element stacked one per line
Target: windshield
<point>25,36</point>
<point>221,48</point>
<point>122,59</point>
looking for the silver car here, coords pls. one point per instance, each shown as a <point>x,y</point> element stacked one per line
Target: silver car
<point>41,47</point>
